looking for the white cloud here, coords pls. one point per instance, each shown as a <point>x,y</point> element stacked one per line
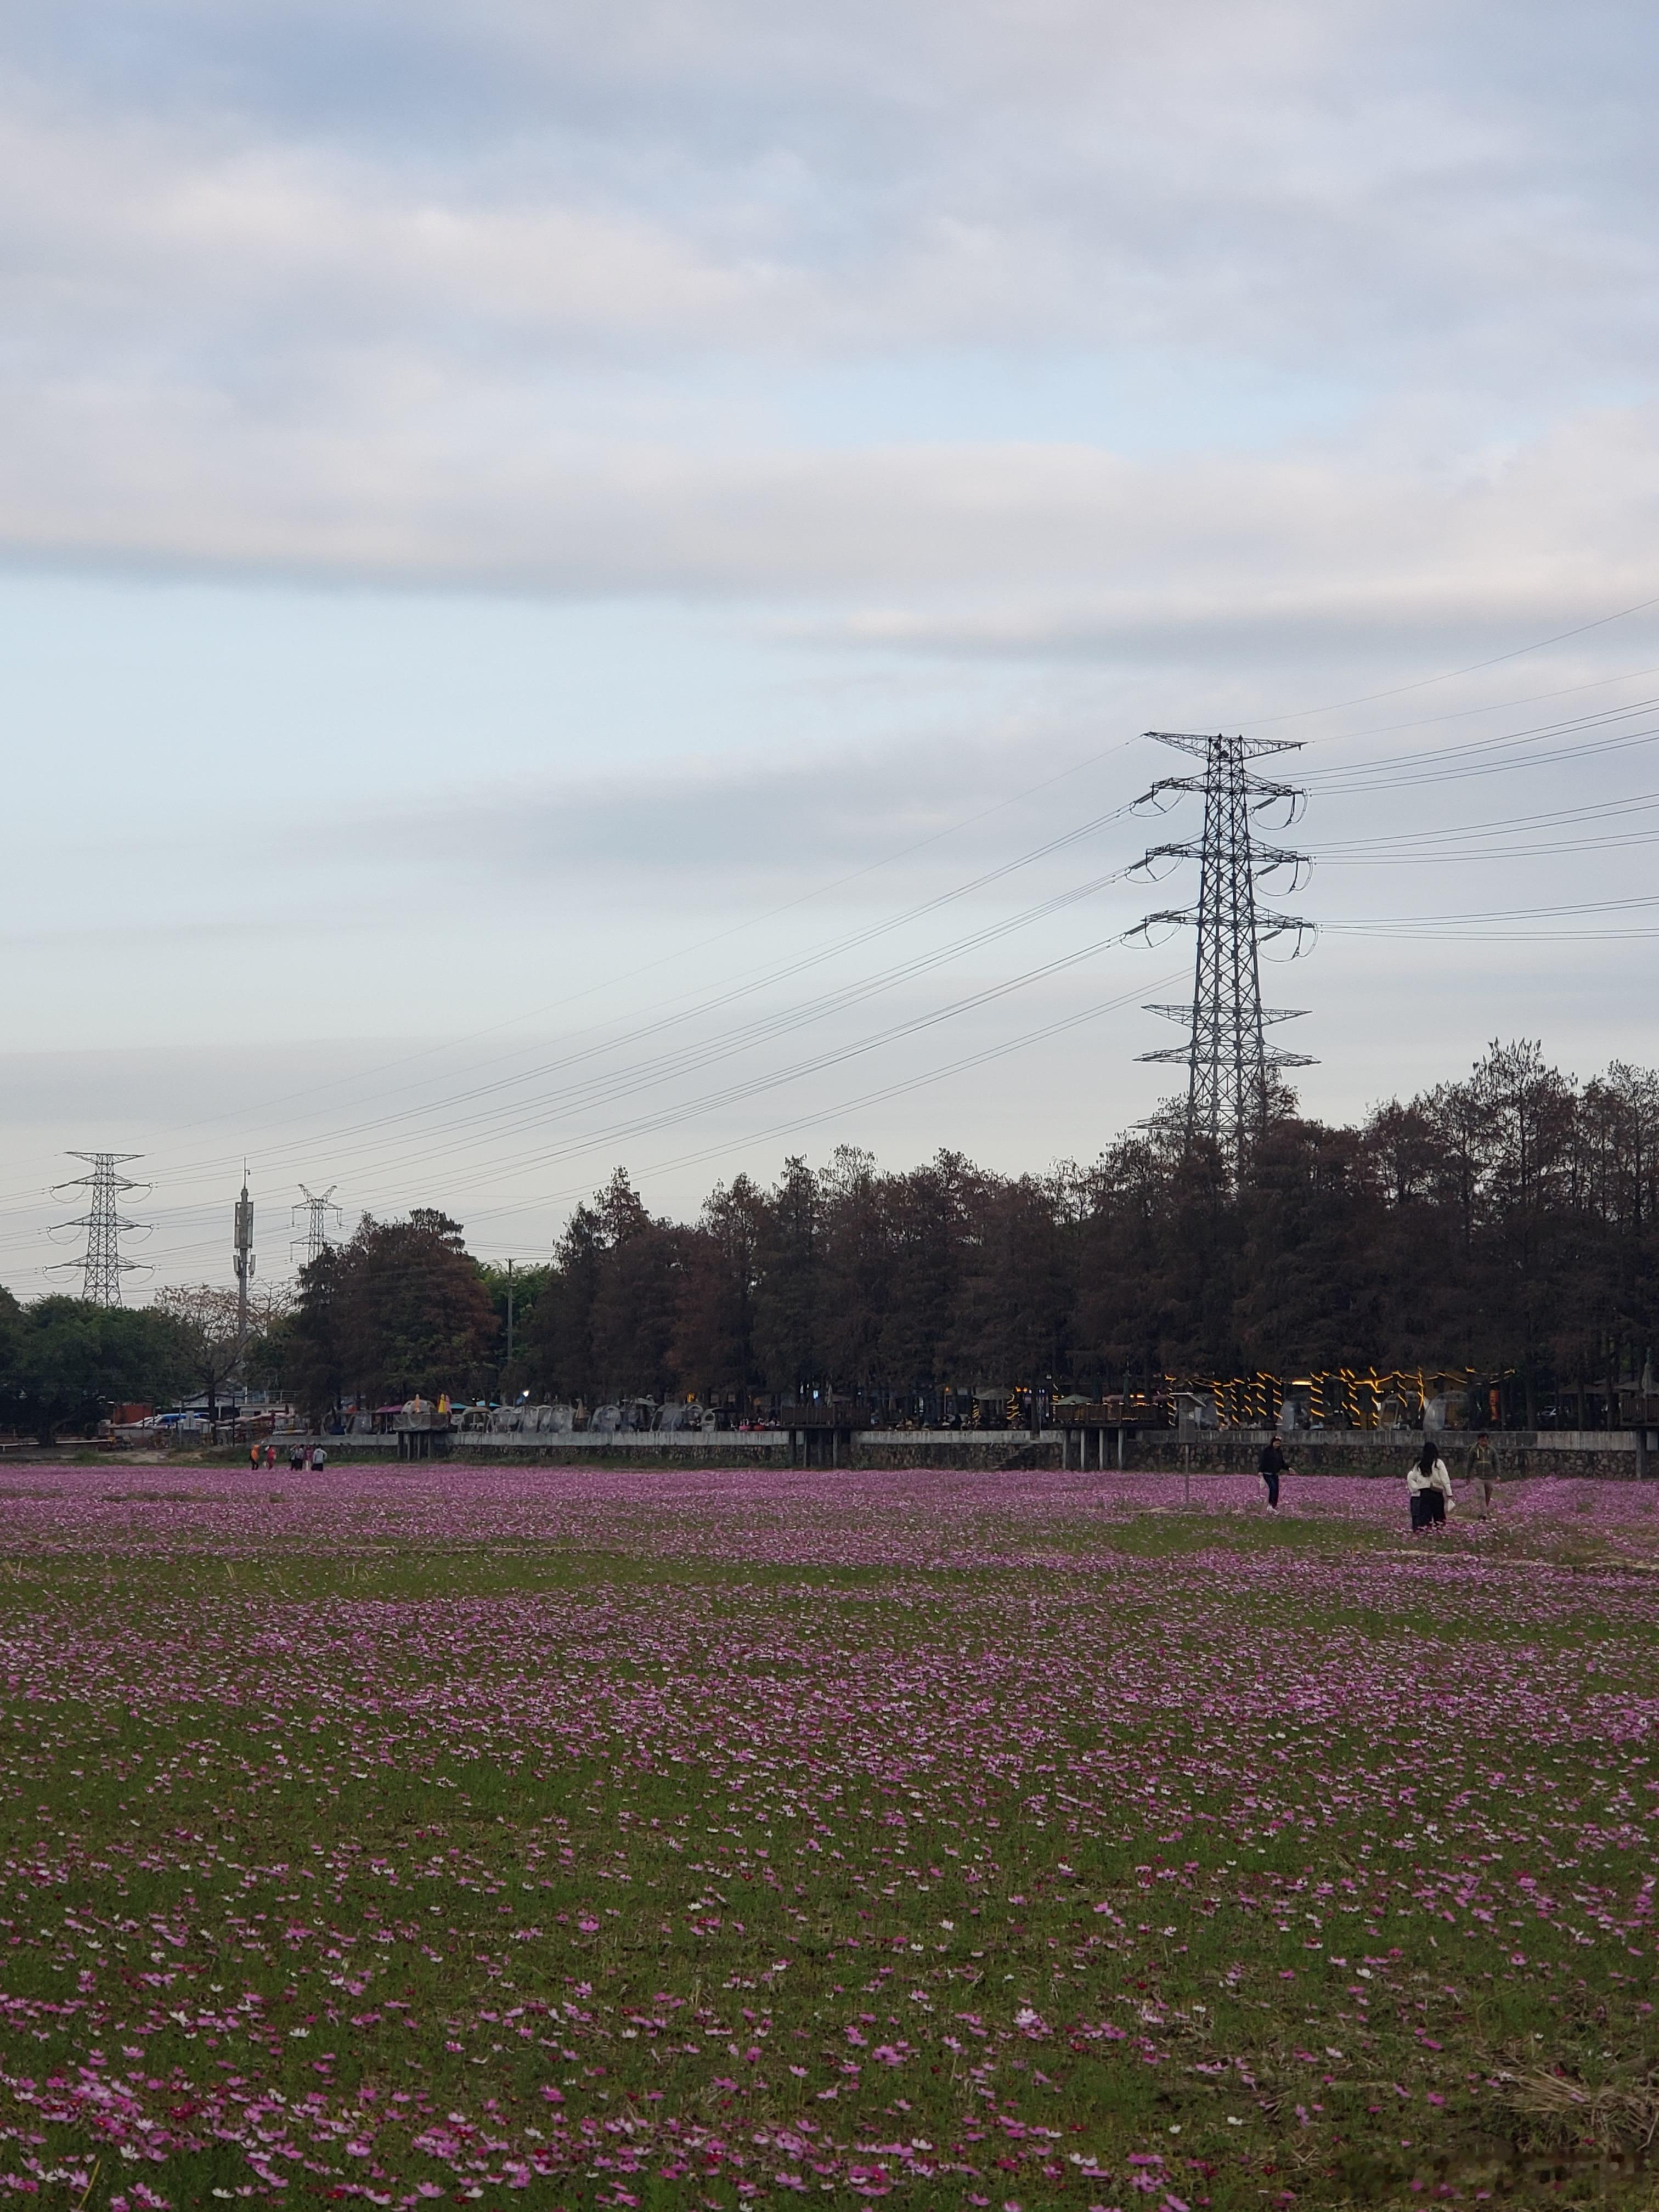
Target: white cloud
<point>1029,371</point>
<point>987,546</point>
<point>1359,187</point>
<point>281,319</point>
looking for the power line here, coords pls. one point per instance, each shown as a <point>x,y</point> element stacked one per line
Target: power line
<point>1451,675</point>
<point>900,1088</point>
<point>642,1077</point>
<point>771,976</point>
<point>647,1124</point>
<point>590,1093</point>
<point>1407,923</point>
<point>1440,762</point>
<point>804,898</point>
<point>609,1086</point>
<point>1483,936</point>
<point>1444,852</point>
<point>1638,802</point>
<point>896,1090</point>
<point>620,1082</point>
<point>1487,707</point>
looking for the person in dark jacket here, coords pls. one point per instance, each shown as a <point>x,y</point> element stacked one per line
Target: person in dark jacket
<point>1428,1487</point>
<point>1270,1466</point>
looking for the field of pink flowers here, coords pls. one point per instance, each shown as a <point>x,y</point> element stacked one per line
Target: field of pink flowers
<point>574,1838</point>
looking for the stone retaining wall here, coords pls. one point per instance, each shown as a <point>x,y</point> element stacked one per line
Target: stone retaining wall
<point>1615,1454</point>
<point>1611,1453</point>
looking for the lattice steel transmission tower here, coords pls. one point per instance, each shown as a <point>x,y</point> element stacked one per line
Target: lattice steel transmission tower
<point>1230,1063</point>
<point>317,1240</point>
<point>102,1266</point>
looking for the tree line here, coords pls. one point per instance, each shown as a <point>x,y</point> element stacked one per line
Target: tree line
<point>65,1362</point>
<point>1508,1222</point>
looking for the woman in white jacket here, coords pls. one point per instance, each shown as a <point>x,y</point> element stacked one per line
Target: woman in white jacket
<point>1428,1488</point>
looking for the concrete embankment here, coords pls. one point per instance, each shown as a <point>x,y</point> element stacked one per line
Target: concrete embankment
<point>1620,1455</point>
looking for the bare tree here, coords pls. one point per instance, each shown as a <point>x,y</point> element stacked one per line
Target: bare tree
<point>208,1320</point>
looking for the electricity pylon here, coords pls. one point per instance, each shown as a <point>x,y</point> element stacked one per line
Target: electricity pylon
<point>316,1209</point>
<point>101,1265</point>
<point>1229,1061</point>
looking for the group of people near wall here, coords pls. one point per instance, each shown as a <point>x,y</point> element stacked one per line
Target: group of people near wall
<point>260,1456</point>
<point>1428,1479</point>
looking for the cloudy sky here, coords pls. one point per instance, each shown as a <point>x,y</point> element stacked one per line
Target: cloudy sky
<point>580,582</point>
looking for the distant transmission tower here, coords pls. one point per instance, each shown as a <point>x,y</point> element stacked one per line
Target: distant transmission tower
<point>1229,1061</point>
<point>317,1240</point>
<point>102,1266</point>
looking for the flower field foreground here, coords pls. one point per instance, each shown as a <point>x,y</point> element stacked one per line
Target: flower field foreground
<point>574,1838</point>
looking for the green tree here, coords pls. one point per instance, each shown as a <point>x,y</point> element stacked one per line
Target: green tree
<point>713,1344</point>
<point>604,1326</point>
<point>400,1308</point>
<point>414,1315</point>
<point>558,1350</point>
<point>304,1354</point>
<point>788,1286</point>
<point>70,1361</point>
<point>524,1286</point>
<point>1018,1302</point>
<point>855,1274</point>
<point>934,1220</point>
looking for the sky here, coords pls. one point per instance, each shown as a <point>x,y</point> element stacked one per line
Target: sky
<point>580,586</point>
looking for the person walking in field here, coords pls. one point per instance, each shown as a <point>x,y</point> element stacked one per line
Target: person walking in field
<point>253,1459</point>
<point>319,1459</point>
<point>1270,1466</point>
<point>1483,1470</point>
<point>1428,1488</point>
